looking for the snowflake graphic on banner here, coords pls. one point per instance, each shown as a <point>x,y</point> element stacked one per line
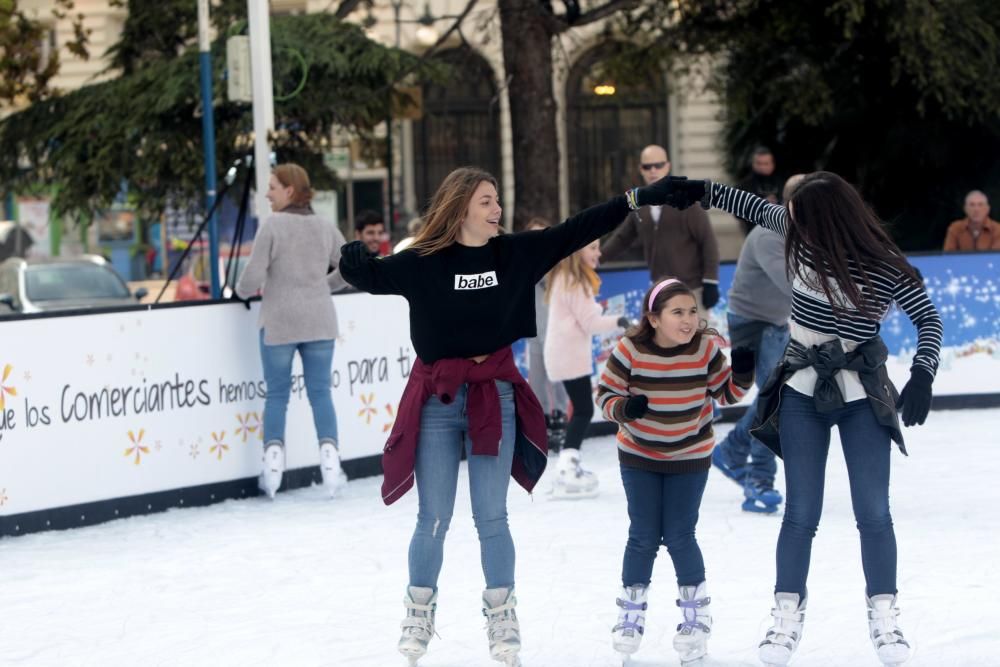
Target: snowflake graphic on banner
<point>218,446</point>
<point>368,411</point>
<point>4,389</point>
<point>137,448</point>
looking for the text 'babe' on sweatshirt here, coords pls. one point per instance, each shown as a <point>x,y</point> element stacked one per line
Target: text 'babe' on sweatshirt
<point>675,435</point>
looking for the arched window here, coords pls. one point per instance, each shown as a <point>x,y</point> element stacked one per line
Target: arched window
<point>607,125</point>
<point>460,124</point>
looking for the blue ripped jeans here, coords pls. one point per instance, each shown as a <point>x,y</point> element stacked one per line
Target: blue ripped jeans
<point>443,435</point>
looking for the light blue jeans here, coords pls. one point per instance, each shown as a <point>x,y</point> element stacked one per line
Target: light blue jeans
<point>768,342</point>
<point>317,363</point>
<point>443,435</point>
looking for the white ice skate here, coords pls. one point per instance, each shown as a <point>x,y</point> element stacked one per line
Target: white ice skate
<point>886,636</point>
<point>418,626</point>
<point>573,482</point>
<point>691,640</point>
<point>627,633</point>
<point>329,465</point>
<point>274,468</point>
<point>783,637</point>
<point>502,628</point>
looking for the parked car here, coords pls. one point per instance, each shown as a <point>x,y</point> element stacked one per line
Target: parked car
<point>44,284</point>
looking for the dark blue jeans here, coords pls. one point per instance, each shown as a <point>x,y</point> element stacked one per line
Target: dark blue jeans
<point>805,442</point>
<point>768,342</point>
<point>662,509</point>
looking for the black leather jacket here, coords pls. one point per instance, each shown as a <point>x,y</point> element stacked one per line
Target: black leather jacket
<point>868,359</point>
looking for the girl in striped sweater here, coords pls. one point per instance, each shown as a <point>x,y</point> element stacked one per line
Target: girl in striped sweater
<point>658,384</point>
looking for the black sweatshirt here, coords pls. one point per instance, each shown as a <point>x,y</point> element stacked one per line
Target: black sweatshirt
<point>467,301</point>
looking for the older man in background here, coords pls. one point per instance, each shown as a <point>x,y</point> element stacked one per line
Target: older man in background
<point>976,231</point>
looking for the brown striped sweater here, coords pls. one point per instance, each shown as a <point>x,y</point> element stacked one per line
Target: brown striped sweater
<point>675,435</point>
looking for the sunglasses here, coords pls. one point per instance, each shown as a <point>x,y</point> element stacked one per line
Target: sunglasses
<point>652,165</point>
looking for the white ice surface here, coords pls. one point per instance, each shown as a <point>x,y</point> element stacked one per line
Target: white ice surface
<point>309,581</point>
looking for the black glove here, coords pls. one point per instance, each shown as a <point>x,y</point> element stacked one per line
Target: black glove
<point>742,360</point>
<point>624,323</point>
<point>236,297</point>
<point>687,193</point>
<point>353,255</point>
<point>915,399</point>
<point>709,294</point>
<point>656,194</point>
<point>635,407</point>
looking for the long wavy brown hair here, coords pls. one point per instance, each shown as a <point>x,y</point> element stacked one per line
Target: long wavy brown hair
<point>448,208</point>
<point>833,228</point>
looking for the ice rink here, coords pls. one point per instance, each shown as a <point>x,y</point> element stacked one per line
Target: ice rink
<point>309,581</point>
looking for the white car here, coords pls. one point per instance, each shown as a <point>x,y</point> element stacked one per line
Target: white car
<point>44,284</point>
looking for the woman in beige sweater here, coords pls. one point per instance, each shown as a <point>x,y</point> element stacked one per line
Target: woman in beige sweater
<point>291,259</point>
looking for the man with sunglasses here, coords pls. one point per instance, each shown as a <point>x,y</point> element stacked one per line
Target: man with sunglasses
<point>675,243</point>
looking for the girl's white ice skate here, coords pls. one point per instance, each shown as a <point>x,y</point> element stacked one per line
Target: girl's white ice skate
<point>418,626</point>
<point>886,636</point>
<point>783,638</point>
<point>329,466</point>
<point>627,633</point>
<point>502,628</point>
<point>274,468</point>
<point>572,481</point>
<point>691,640</point>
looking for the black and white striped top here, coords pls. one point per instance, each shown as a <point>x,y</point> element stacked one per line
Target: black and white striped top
<point>811,309</point>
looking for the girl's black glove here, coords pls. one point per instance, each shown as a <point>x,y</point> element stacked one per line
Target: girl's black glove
<point>635,407</point>
<point>353,255</point>
<point>915,399</point>
<point>709,295</point>
<point>662,192</point>
<point>742,361</point>
<point>624,323</point>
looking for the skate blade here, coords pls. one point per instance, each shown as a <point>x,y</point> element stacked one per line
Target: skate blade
<point>574,495</point>
<point>774,655</point>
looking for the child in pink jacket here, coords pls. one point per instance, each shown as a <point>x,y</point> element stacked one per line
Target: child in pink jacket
<point>574,318</point>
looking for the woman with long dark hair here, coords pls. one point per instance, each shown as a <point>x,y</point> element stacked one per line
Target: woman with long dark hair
<point>846,271</point>
<point>471,295</point>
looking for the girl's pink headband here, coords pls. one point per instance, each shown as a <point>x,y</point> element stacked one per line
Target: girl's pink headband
<point>660,286</point>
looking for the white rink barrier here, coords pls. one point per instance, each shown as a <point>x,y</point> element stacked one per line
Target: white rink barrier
<point>116,413</point>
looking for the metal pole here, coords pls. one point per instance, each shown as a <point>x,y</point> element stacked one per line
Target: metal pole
<point>208,138</point>
<point>263,99</point>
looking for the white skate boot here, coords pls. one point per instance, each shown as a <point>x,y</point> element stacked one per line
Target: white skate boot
<point>418,626</point>
<point>627,633</point>
<point>572,481</point>
<point>783,638</point>
<point>502,628</point>
<point>691,640</point>
<point>329,465</point>
<point>274,468</point>
<point>886,636</point>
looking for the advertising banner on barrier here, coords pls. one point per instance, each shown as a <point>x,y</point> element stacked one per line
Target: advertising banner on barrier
<point>122,404</point>
<point>965,288</point>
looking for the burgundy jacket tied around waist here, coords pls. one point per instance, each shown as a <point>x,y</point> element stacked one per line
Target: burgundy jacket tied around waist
<point>443,378</point>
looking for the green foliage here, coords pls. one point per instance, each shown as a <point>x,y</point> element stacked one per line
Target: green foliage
<point>901,97</point>
<point>26,66</point>
<point>144,128</point>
